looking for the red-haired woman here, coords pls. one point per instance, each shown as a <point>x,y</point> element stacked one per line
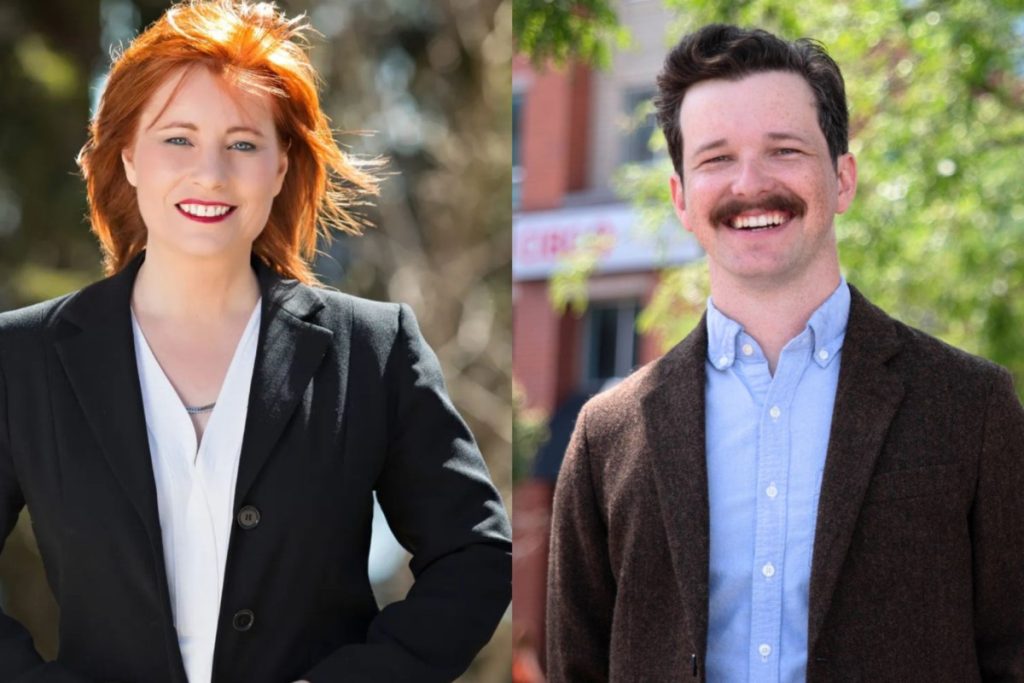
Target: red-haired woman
<point>198,436</point>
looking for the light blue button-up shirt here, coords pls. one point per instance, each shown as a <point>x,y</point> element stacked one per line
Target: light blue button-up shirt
<point>766,442</point>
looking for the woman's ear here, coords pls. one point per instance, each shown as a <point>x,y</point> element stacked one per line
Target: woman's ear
<point>282,169</point>
<point>129,166</point>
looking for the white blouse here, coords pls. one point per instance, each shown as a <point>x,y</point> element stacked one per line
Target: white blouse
<point>195,490</point>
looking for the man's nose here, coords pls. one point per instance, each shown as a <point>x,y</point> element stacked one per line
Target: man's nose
<point>752,179</point>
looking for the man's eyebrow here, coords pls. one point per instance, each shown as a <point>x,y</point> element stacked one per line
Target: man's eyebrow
<point>785,135</point>
<point>191,126</point>
<point>709,145</point>
<point>778,136</point>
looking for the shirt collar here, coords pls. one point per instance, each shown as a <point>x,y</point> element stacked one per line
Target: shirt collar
<point>722,334</point>
<point>827,325</point>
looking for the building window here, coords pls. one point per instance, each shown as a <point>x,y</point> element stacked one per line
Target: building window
<point>610,341</point>
<point>517,154</point>
<point>638,113</point>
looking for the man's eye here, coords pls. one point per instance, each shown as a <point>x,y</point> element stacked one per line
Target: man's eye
<point>788,151</point>
<point>243,146</point>
<point>715,160</point>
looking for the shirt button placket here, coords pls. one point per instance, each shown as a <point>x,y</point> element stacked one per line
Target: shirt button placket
<point>773,454</point>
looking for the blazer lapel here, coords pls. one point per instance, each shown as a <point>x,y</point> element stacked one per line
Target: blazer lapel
<point>291,348</point>
<point>674,423</point>
<point>867,398</point>
<point>99,360</point>
<point>98,356</point>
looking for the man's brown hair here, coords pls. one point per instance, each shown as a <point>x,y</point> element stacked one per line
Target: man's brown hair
<point>720,51</point>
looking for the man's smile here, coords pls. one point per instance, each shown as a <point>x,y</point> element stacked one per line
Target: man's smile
<point>758,221</point>
<point>769,213</point>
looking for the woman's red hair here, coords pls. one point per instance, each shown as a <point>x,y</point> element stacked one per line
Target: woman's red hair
<point>256,48</point>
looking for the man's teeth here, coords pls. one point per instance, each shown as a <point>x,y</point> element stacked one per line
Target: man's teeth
<point>761,221</point>
<point>204,210</point>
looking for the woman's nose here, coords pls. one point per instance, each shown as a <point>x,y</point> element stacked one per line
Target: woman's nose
<point>211,169</point>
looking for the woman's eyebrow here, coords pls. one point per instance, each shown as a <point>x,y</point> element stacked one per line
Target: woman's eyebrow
<point>192,126</point>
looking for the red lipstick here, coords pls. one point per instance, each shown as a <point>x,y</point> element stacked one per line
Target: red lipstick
<point>203,211</point>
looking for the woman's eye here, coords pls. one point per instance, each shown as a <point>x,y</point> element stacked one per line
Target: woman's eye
<point>179,142</point>
<point>243,146</point>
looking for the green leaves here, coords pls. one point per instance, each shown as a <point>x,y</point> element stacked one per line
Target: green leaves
<point>560,30</point>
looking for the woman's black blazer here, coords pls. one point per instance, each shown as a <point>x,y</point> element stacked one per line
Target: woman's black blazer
<point>346,399</point>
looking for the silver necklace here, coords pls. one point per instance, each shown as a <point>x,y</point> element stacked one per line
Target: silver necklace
<point>196,410</point>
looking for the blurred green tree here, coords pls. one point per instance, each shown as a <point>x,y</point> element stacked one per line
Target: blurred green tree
<point>529,431</point>
<point>46,51</point>
<point>560,30</point>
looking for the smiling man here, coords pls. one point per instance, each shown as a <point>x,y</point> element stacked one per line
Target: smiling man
<point>803,488</point>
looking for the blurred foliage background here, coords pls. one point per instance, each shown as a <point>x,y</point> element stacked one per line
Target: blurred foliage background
<point>426,82</point>
<point>560,30</point>
<point>936,95</point>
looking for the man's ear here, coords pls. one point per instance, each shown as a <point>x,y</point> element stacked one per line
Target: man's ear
<point>675,185</point>
<point>129,167</point>
<point>846,174</point>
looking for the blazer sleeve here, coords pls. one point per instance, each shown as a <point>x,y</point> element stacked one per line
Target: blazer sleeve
<point>439,501</point>
<point>581,586</point>
<point>997,532</point>
<point>19,661</point>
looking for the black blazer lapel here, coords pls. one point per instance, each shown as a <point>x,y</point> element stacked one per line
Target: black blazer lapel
<point>674,422</point>
<point>96,346</point>
<point>291,347</point>
<point>867,398</point>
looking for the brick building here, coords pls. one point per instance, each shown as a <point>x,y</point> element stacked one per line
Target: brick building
<point>571,133</point>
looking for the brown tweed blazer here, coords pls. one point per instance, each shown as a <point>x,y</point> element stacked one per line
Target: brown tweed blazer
<point>918,565</point>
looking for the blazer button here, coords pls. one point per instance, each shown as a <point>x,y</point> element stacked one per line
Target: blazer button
<point>243,619</point>
<point>248,517</point>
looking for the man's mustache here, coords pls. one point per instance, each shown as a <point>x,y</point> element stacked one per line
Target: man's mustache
<point>786,202</point>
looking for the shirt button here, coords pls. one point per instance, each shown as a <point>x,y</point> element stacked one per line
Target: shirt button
<point>823,354</point>
<point>747,349</point>
<point>723,361</point>
<point>768,570</point>
<point>775,412</point>
<point>764,649</point>
<point>243,620</point>
<point>248,517</point>
<point>771,491</point>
